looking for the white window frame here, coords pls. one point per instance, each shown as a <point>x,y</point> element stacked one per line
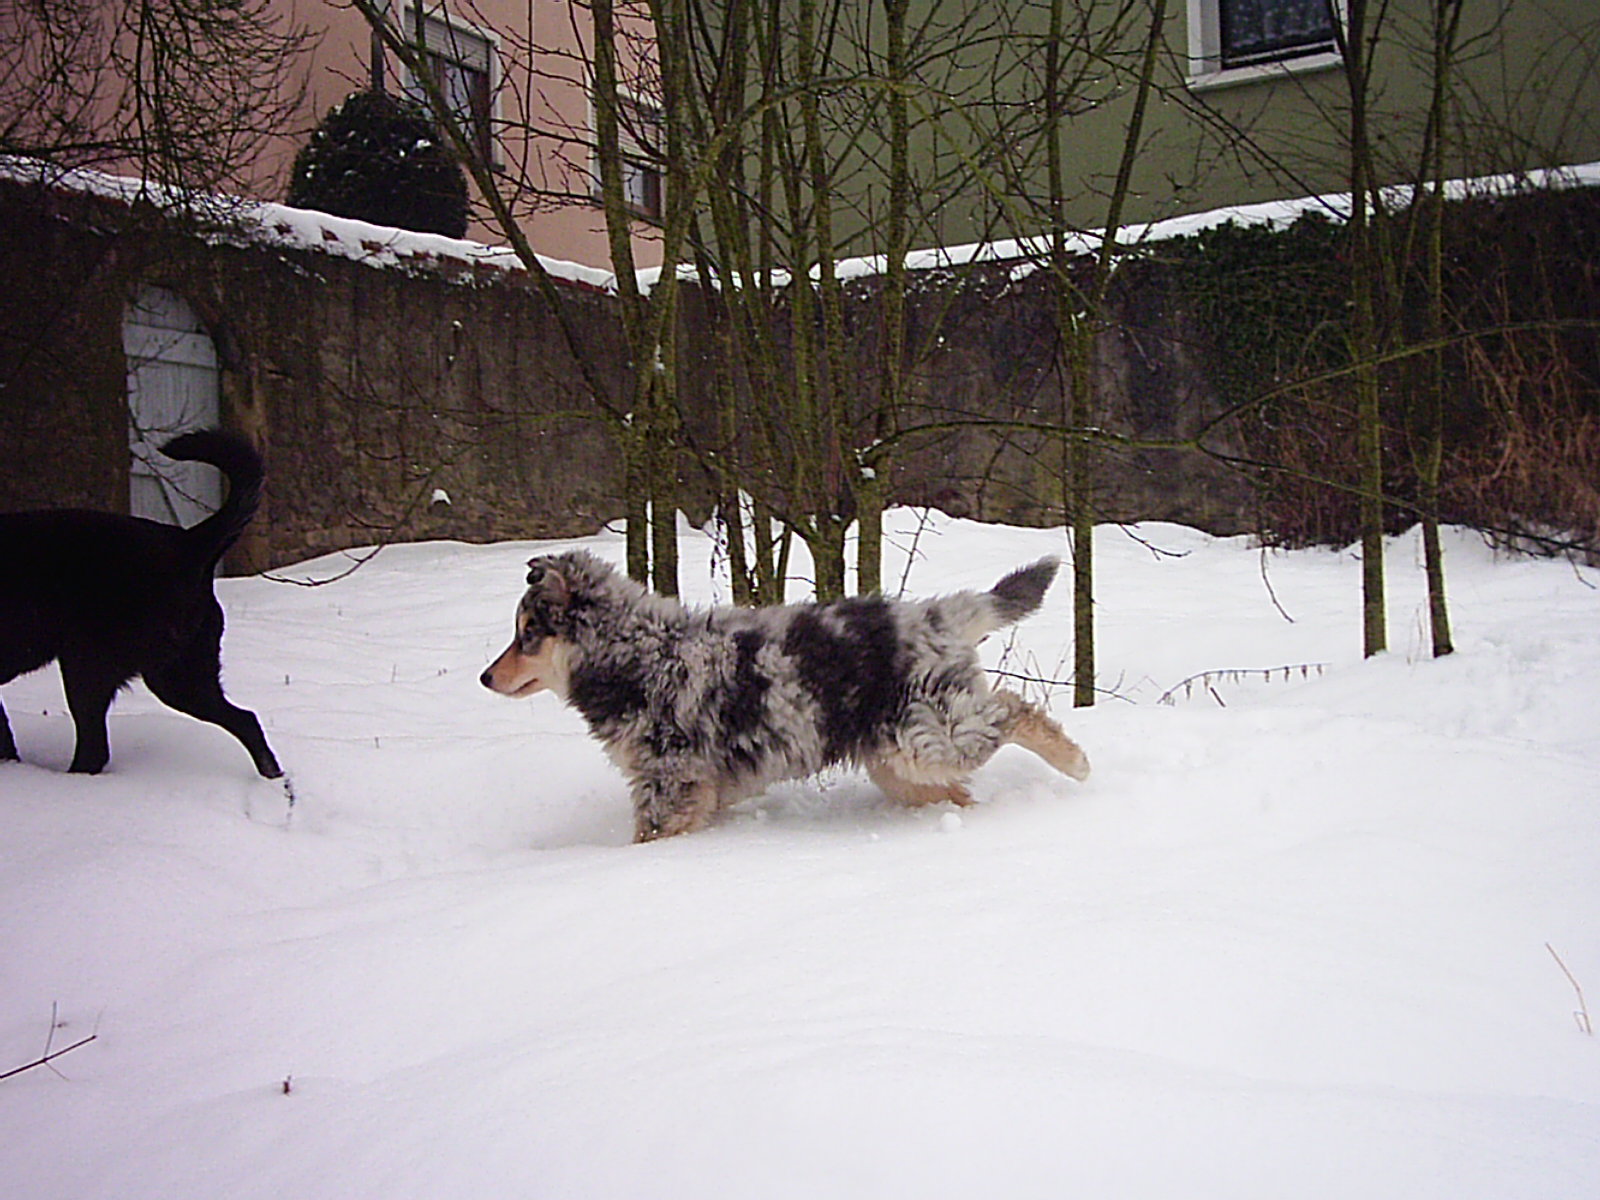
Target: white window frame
<point>1205,52</point>
<point>441,28</point>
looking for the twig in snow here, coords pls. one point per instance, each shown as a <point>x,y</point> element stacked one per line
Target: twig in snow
<point>357,562</point>
<point>44,1059</point>
<point>1582,1015</point>
<point>913,552</point>
<point>1577,573</point>
<point>1115,693</point>
<point>1205,679</point>
<point>1272,592</point>
<point>1156,552</point>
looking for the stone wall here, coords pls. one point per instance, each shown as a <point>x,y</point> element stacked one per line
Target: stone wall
<point>994,357</point>
<point>371,389</point>
<point>368,390</point>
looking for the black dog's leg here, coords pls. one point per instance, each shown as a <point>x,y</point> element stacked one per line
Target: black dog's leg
<point>192,686</point>
<point>89,696</point>
<point>8,744</point>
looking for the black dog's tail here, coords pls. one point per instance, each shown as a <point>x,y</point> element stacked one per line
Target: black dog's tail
<point>238,460</point>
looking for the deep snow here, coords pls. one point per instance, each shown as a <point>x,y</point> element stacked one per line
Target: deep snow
<point>1290,940</point>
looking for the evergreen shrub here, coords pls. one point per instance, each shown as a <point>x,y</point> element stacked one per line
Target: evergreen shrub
<point>379,158</point>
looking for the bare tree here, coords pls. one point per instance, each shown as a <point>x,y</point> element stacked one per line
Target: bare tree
<point>1357,39</point>
<point>793,98</point>
<point>786,133</point>
<point>634,403</point>
<point>873,479</point>
<point>181,93</point>
<point>1092,56</point>
<point>1444,28</point>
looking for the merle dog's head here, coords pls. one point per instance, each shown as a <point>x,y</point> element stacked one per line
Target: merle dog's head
<point>564,592</point>
<point>538,654</point>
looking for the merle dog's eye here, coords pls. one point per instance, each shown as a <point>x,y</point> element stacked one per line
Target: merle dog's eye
<point>535,626</point>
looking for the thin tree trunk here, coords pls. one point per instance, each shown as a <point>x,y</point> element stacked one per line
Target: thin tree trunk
<point>1446,19</point>
<point>1069,352</point>
<point>635,504</point>
<point>1364,269</point>
<point>664,476</point>
<point>872,486</point>
<point>834,481</point>
<point>638,451</point>
<point>1079,314</point>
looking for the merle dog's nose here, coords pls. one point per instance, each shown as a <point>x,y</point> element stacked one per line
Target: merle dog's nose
<point>487,680</point>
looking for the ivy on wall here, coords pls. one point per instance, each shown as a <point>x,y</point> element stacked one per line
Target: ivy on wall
<point>1272,301</point>
<point>1522,367</point>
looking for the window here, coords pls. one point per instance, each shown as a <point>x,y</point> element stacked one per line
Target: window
<point>1235,40</point>
<point>463,61</point>
<point>1255,31</point>
<point>639,131</point>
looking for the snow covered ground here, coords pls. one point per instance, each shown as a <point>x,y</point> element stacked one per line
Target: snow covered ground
<point>1290,940</point>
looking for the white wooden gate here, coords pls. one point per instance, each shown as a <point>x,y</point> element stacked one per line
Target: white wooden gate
<point>172,388</point>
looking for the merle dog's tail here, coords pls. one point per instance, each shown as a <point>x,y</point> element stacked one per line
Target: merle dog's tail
<point>238,460</point>
<point>1020,593</point>
<point>975,615</point>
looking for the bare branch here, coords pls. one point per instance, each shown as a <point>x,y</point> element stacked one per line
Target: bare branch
<point>49,1055</point>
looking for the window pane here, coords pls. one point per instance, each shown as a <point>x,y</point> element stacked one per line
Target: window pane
<point>452,41</point>
<point>460,60</point>
<point>467,92</point>
<point>641,188</point>
<point>1255,31</point>
<point>639,138</point>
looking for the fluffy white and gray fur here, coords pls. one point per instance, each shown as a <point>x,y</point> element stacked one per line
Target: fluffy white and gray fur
<point>702,708</point>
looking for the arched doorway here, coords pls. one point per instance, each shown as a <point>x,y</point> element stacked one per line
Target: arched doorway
<point>173,387</point>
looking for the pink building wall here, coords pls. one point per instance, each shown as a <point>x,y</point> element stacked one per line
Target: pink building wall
<point>544,93</point>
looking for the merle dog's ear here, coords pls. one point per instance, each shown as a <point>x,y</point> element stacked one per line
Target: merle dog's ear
<point>550,582</point>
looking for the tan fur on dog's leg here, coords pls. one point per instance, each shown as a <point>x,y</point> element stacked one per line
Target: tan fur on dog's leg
<point>1029,727</point>
<point>903,791</point>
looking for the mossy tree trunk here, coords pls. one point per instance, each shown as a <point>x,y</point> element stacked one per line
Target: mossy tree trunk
<point>1080,312</point>
<point>875,464</point>
<point>1444,26</point>
<point>1356,45</point>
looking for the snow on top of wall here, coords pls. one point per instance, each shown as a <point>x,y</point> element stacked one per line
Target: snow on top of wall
<point>1273,213</point>
<point>383,246</point>
<point>1029,252</point>
<point>236,221</point>
<point>253,222</point>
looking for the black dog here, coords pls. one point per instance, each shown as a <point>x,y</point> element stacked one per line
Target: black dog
<point>115,597</point>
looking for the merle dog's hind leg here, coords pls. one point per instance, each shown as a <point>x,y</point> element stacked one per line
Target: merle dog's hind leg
<point>1029,727</point>
<point>192,684</point>
<point>899,788</point>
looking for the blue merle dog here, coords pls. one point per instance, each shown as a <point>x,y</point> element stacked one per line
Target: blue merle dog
<point>703,708</point>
